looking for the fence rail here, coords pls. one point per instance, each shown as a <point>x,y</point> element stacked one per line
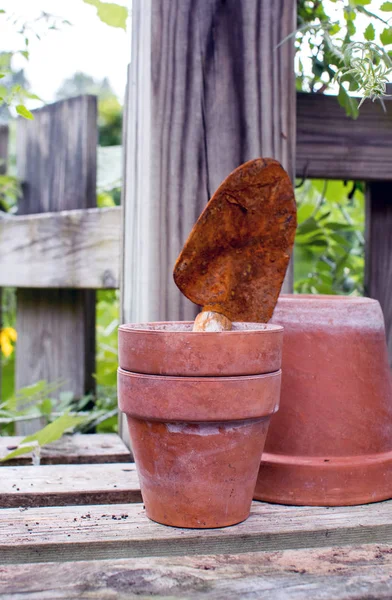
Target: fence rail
<point>67,249</point>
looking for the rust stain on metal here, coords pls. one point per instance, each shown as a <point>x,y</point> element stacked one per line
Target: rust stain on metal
<point>235,258</point>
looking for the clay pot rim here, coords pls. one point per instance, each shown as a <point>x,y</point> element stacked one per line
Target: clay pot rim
<point>158,327</point>
<point>191,379</point>
<point>332,297</point>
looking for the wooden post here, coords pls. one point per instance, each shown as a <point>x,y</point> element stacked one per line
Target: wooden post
<point>210,87</point>
<point>378,255</point>
<point>3,169</point>
<point>56,159</point>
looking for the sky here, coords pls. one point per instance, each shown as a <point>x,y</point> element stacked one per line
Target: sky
<point>87,45</point>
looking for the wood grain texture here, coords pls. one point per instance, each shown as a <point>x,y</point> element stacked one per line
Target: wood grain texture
<point>125,239</point>
<point>65,533</point>
<point>69,249</point>
<point>72,449</point>
<point>205,96</point>
<point>331,145</point>
<point>360,572</point>
<point>56,160</point>
<point>60,485</point>
<point>4,134</point>
<point>378,252</point>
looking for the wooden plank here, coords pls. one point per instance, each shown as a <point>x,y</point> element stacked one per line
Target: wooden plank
<point>122,419</point>
<point>67,249</point>
<point>56,160</point>
<point>203,100</point>
<point>331,145</point>
<point>360,572</point>
<point>112,531</point>
<point>72,449</point>
<point>4,134</point>
<point>378,253</point>
<point>59,485</point>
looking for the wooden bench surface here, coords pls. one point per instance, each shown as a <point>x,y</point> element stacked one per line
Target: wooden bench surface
<point>86,526</point>
<point>71,449</point>
<point>316,574</point>
<point>59,485</point>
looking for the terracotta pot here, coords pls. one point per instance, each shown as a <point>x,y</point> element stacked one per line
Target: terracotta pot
<point>174,349</point>
<point>197,441</point>
<point>331,443</point>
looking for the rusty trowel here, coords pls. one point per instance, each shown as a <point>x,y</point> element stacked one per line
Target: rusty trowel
<point>235,258</point>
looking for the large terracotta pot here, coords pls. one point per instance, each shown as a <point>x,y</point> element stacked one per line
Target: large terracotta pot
<point>331,443</point>
<point>198,433</point>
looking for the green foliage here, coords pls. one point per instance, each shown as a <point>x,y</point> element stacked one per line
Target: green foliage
<point>109,13</point>
<point>347,102</point>
<point>360,66</point>
<point>24,112</point>
<point>370,32</point>
<point>61,411</point>
<point>14,88</point>
<point>14,93</point>
<point>386,36</point>
<point>107,324</point>
<point>329,246</point>
<point>7,363</point>
<point>82,83</point>
<point>370,68</point>
<point>109,108</point>
<point>50,433</point>
<point>9,193</point>
<point>109,121</point>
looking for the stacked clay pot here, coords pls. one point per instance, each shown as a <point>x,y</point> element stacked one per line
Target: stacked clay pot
<point>198,407</point>
<point>331,442</point>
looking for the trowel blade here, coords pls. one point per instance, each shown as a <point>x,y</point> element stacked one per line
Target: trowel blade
<point>235,258</point>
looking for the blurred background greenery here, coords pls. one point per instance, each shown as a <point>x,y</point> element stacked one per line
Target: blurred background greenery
<point>48,400</point>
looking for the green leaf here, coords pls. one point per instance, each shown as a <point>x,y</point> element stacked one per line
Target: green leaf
<point>339,239</point>
<point>32,96</point>
<point>24,112</point>
<point>386,7</point>
<point>323,267</point>
<point>386,36</point>
<point>339,226</point>
<point>304,211</point>
<point>55,430</point>
<point>360,2</point>
<point>19,452</point>
<point>370,32</point>
<point>334,29</point>
<point>349,104</point>
<point>46,406</point>
<point>309,226</point>
<point>111,14</point>
<point>351,29</point>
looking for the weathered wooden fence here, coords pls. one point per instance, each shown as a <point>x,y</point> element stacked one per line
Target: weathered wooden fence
<point>185,129</point>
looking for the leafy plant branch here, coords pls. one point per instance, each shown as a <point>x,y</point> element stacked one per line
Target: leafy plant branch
<point>62,414</point>
<point>360,66</point>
